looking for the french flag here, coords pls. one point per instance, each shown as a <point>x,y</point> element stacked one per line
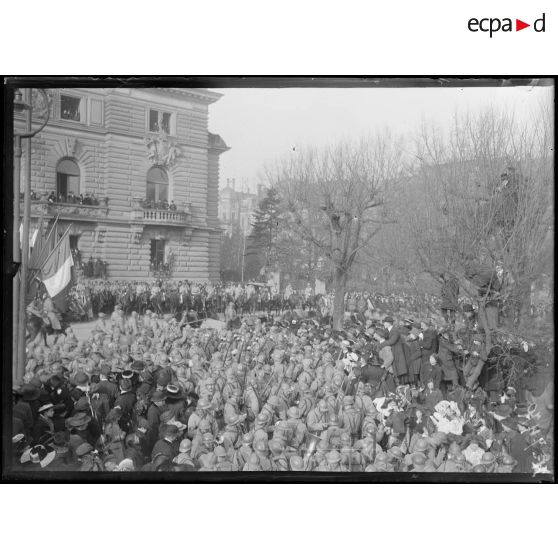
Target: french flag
<point>57,273</point>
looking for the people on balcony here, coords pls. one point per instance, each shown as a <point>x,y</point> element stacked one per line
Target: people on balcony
<point>159,204</point>
<point>87,199</point>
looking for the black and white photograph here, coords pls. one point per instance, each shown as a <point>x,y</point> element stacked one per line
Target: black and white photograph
<point>279,278</point>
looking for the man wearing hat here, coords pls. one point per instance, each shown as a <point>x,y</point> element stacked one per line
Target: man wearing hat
<point>38,457</point>
<point>447,352</point>
<point>515,444</point>
<point>126,401</point>
<point>153,418</point>
<point>395,341</point>
<point>21,410</point>
<point>88,457</point>
<point>168,444</point>
<point>44,424</point>
<point>78,428</point>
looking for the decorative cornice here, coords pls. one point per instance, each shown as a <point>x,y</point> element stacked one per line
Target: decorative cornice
<point>205,95</point>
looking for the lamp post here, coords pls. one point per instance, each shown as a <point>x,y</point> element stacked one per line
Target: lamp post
<point>22,257</point>
<point>243,254</point>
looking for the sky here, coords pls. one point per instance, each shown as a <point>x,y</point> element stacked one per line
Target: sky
<point>262,125</point>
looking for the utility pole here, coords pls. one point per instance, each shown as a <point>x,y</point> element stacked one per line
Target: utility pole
<point>20,291</point>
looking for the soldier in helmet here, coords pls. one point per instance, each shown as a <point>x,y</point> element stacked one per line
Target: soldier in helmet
<point>318,418</point>
<point>332,463</point>
<point>297,427</point>
<point>204,451</point>
<point>232,406</point>
<point>261,449</point>
<point>224,462</point>
<point>243,453</point>
<point>350,417</point>
<point>253,463</point>
<point>232,432</point>
<point>278,458</point>
<point>202,412</point>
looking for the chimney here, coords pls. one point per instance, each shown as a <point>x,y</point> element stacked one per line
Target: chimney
<point>228,182</point>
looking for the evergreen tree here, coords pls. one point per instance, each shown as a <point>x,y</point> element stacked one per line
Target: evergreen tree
<point>261,244</point>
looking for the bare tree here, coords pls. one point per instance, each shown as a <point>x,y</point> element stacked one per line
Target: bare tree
<point>482,208</point>
<point>336,199</point>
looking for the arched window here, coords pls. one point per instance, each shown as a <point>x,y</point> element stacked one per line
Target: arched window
<point>67,180</point>
<point>157,185</point>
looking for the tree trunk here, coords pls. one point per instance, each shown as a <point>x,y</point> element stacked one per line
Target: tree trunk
<point>339,284</point>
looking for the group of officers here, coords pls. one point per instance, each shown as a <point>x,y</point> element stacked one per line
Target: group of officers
<point>286,393</point>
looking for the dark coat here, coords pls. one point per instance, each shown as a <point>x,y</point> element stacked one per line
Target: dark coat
<point>395,341</point>
<point>371,374</point>
<point>126,401</point>
<point>42,427</point>
<point>166,448</point>
<point>22,410</point>
<point>414,357</point>
<point>446,350</point>
<point>153,422</point>
<point>429,372</point>
<point>429,345</point>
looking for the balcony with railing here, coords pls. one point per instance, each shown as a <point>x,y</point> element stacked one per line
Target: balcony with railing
<point>159,214</point>
<point>49,206</point>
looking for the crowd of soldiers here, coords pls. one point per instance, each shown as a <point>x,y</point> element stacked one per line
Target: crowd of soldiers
<point>278,392</point>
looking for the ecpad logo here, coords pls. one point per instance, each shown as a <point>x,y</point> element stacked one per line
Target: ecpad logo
<point>493,25</point>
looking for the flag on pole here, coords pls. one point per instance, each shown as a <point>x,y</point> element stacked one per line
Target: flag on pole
<point>56,273</point>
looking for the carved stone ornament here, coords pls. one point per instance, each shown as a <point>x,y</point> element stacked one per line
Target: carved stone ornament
<point>161,151</point>
<point>41,105</point>
<point>71,145</point>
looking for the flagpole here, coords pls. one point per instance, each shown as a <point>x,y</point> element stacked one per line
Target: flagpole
<point>44,249</point>
<point>21,337</point>
<point>66,232</point>
<point>16,258</point>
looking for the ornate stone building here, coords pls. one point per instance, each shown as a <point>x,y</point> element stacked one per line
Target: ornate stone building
<point>237,206</point>
<point>135,172</point>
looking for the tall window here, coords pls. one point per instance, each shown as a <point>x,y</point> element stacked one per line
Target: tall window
<point>157,185</point>
<point>67,180</point>
<point>70,108</point>
<point>159,121</point>
<point>157,254</point>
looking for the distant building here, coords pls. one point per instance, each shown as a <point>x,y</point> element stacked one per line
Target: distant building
<point>136,174</point>
<point>236,206</point>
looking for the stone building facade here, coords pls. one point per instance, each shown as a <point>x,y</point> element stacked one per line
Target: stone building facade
<point>135,172</point>
<point>237,206</point>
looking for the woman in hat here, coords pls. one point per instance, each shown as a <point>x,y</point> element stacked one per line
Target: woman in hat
<point>38,457</point>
